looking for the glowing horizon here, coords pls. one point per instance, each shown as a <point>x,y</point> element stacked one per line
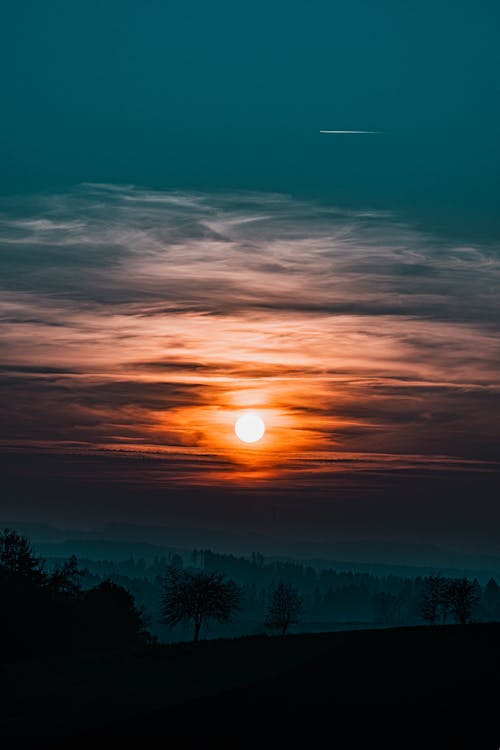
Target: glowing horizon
<point>145,322</point>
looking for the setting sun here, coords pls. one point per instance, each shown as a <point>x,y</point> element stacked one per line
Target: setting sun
<point>249,428</point>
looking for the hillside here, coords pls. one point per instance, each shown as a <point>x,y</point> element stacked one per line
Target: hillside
<point>401,687</point>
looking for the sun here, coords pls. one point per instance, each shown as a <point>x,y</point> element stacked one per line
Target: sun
<point>249,428</point>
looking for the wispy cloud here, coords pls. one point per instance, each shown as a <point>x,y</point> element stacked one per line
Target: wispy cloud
<point>144,320</point>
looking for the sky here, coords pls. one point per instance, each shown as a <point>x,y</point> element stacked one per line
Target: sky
<point>180,244</point>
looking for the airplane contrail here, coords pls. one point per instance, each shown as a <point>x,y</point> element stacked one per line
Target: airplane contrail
<point>374,132</point>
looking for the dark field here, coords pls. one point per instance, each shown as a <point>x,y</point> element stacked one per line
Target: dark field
<point>399,687</point>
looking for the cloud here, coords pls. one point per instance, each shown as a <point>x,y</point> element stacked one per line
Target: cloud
<point>144,320</point>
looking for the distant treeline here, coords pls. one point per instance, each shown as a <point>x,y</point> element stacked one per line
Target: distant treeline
<point>346,596</point>
<point>52,605</point>
<point>330,596</point>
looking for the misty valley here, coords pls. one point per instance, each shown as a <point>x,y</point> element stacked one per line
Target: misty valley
<point>96,651</point>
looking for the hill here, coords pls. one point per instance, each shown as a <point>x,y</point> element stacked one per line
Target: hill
<point>399,687</point>
<point>118,541</point>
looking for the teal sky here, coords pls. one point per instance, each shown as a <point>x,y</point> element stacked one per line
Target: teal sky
<point>180,243</point>
<point>227,95</point>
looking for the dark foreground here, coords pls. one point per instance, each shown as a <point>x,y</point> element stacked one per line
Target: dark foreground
<point>396,688</point>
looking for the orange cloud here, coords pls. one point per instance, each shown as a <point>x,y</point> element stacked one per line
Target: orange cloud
<point>147,329</point>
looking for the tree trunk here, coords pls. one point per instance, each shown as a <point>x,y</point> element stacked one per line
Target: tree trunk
<point>197,626</point>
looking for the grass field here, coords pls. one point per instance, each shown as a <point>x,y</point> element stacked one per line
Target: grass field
<point>397,687</point>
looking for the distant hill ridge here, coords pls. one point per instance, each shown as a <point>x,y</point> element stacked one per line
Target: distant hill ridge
<point>119,541</point>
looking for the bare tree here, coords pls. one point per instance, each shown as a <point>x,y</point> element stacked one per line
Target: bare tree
<point>446,599</point>
<point>441,596</point>
<point>197,597</point>
<point>464,595</point>
<point>285,607</point>
<point>432,597</point>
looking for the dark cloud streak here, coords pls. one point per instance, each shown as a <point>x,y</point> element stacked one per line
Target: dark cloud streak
<point>140,322</point>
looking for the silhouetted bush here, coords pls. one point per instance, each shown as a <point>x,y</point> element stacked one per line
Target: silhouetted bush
<point>112,619</point>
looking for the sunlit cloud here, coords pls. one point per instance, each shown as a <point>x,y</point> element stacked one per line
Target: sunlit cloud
<point>145,322</point>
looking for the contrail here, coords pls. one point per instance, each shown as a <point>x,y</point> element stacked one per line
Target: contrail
<point>374,132</point>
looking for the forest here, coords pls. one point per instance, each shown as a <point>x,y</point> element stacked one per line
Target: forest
<point>332,599</point>
<point>94,652</point>
<point>70,605</point>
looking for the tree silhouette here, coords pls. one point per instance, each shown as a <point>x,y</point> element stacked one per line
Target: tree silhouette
<point>446,599</point>
<point>197,597</point>
<point>22,593</point>
<point>464,595</point>
<point>46,611</point>
<point>492,599</point>
<point>65,579</point>
<point>112,618</point>
<point>17,560</point>
<point>432,598</point>
<point>285,607</point>
<point>441,596</point>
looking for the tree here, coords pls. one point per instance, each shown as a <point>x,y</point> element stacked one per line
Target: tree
<point>196,597</point>
<point>464,595</point>
<point>17,559</point>
<point>65,579</point>
<point>492,589</point>
<point>112,618</point>
<point>285,607</point>
<point>492,600</point>
<point>432,598</point>
<point>441,596</point>
<point>22,594</point>
<point>46,611</point>
<point>446,598</point>
<point>176,561</point>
